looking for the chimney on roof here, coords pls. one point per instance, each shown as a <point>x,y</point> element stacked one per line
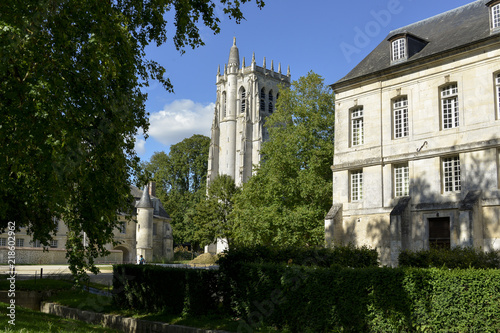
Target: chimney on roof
<point>152,189</point>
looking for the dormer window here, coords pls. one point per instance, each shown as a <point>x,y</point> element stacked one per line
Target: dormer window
<point>399,49</point>
<point>404,46</point>
<point>495,15</point>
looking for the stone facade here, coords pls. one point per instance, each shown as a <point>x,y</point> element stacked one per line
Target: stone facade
<point>155,239</point>
<point>418,139</point>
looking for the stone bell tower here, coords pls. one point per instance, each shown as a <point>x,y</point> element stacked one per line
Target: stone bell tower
<point>246,95</point>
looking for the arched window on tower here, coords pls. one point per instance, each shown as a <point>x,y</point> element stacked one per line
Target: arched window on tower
<point>262,100</point>
<point>242,100</point>
<point>223,105</point>
<point>270,101</point>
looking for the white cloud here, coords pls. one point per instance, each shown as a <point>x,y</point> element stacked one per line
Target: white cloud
<point>179,120</point>
<point>140,145</point>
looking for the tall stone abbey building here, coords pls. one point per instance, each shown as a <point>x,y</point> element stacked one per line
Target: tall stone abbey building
<point>246,95</point>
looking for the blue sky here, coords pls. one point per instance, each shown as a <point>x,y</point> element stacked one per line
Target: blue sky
<point>325,36</point>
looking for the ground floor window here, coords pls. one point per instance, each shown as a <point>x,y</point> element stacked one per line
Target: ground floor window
<point>439,233</point>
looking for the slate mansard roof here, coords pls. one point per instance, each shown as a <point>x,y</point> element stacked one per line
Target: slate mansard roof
<point>442,33</point>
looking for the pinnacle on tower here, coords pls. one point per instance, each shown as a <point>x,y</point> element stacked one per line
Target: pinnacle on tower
<point>234,56</point>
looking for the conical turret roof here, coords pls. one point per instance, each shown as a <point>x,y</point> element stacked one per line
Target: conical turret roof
<point>145,201</point>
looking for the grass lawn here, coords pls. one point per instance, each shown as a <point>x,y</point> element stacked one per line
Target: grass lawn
<point>33,321</point>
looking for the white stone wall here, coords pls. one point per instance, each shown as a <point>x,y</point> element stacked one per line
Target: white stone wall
<point>476,141</point>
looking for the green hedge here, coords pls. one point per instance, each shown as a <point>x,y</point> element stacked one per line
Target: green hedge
<point>458,257</point>
<point>344,256</point>
<point>304,299</point>
<point>316,299</point>
<point>151,288</point>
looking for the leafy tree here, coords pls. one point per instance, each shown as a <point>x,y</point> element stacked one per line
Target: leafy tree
<point>180,180</point>
<point>212,213</point>
<point>71,105</point>
<point>285,202</point>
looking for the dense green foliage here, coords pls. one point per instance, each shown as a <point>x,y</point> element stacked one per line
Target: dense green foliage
<point>315,299</point>
<point>71,74</point>
<point>285,202</point>
<point>148,288</point>
<point>457,257</point>
<point>180,180</point>
<point>303,299</point>
<point>343,256</point>
<point>212,218</point>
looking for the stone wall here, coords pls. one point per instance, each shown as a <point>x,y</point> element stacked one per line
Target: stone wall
<point>36,255</point>
<point>120,323</point>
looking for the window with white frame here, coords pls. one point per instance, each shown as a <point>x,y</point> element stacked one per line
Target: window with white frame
<point>356,185</point>
<point>53,243</point>
<point>495,16</point>
<point>262,100</point>
<point>56,223</point>
<point>398,49</point>
<point>400,113</point>
<point>497,90</point>
<point>37,243</point>
<point>3,241</point>
<point>242,100</point>
<point>449,106</point>
<point>451,174</point>
<point>270,101</point>
<point>19,242</point>
<point>401,180</point>
<point>357,136</point>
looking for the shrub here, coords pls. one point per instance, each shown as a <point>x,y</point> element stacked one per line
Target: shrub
<point>151,288</point>
<point>457,257</point>
<point>343,256</point>
<point>373,299</point>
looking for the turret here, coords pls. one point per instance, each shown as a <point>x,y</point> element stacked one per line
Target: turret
<point>144,231</point>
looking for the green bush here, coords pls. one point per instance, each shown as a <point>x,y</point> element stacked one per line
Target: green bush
<point>344,256</point>
<point>312,299</point>
<point>151,288</point>
<point>457,257</point>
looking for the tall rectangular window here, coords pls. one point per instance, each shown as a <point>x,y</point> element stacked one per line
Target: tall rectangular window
<point>495,16</point>
<point>3,241</point>
<point>449,106</point>
<point>19,242</point>
<point>497,90</point>
<point>243,101</point>
<point>357,136</point>
<point>262,100</point>
<point>53,244</point>
<point>398,49</point>
<point>401,180</point>
<point>451,174</point>
<point>356,185</point>
<point>400,110</point>
<point>123,228</point>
